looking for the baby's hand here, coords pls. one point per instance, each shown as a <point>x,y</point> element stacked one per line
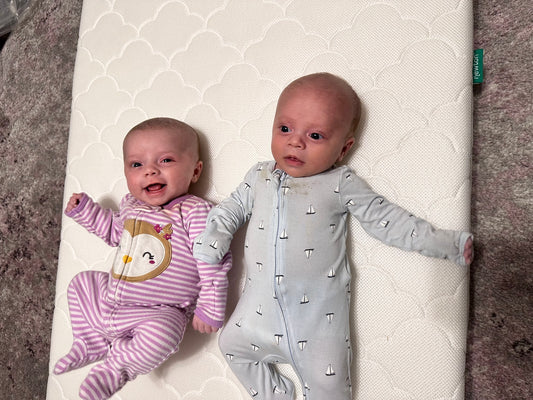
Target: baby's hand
<point>73,202</point>
<point>202,326</point>
<point>468,253</point>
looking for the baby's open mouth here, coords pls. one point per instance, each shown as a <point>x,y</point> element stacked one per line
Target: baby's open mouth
<point>154,187</point>
<point>293,159</point>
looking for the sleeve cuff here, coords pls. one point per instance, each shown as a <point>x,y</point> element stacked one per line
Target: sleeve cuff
<point>200,314</point>
<point>83,201</point>
<point>462,242</point>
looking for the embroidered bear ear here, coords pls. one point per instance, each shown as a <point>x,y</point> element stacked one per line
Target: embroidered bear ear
<point>168,231</point>
<point>165,232</point>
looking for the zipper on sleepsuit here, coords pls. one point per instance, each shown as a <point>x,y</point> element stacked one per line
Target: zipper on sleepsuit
<point>279,267</point>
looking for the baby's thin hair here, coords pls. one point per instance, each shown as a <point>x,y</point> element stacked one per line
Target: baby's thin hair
<point>168,123</point>
<point>161,123</point>
<point>349,90</point>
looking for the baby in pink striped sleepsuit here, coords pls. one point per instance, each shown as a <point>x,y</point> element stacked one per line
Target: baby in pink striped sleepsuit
<point>134,317</point>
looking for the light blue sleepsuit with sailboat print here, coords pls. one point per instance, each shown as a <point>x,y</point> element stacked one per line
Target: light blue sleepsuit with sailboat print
<point>295,304</point>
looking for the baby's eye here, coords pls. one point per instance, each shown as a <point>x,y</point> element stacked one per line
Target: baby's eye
<point>136,164</point>
<point>285,129</point>
<point>315,136</point>
<point>166,160</point>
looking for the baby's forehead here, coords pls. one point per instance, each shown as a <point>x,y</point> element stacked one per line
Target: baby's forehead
<point>178,138</point>
<point>183,135</point>
<point>174,134</point>
<point>330,87</point>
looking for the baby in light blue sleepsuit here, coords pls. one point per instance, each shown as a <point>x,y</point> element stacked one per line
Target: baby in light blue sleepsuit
<point>295,306</point>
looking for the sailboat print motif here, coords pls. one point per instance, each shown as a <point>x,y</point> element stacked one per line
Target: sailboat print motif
<point>278,338</point>
<point>277,390</point>
<point>284,314</point>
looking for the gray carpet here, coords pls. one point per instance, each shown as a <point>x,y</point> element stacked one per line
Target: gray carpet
<point>36,67</point>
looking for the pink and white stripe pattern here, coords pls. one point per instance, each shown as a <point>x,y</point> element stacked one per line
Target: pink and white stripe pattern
<point>186,283</point>
<point>135,325</point>
<point>133,340</point>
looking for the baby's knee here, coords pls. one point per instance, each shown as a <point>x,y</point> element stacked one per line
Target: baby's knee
<point>232,342</point>
<point>88,279</point>
<point>224,343</point>
<point>79,279</point>
<point>170,324</point>
<point>328,382</point>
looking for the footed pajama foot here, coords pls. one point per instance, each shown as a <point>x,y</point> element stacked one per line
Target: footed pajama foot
<point>78,356</point>
<point>102,382</point>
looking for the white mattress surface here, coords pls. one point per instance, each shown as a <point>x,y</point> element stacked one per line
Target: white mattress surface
<point>219,65</point>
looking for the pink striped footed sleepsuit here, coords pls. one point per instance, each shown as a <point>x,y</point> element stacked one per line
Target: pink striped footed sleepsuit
<point>134,317</point>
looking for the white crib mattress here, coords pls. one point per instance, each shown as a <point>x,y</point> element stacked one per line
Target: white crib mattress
<point>219,65</point>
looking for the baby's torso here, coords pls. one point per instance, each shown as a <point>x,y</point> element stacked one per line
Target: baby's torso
<point>295,239</point>
<point>153,264</point>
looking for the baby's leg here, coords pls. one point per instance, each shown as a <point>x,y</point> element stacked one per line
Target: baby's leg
<point>153,335</point>
<point>86,315</point>
<point>251,353</point>
<point>324,367</point>
<point>321,350</point>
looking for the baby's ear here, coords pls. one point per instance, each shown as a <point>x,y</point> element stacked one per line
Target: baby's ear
<point>347,146</point>
<point>197,171</point>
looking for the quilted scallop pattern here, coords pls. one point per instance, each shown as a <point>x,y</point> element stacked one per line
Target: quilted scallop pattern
<point>220,65</point>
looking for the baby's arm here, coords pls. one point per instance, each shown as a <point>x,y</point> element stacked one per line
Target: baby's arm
<point>104,223</point>
<point>395,226</point>
<point>224,220</point>
<point>213,284</point>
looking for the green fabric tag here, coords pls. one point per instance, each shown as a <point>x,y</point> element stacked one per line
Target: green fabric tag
<point>477,70</point>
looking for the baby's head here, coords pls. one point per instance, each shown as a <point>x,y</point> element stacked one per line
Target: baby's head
<point>315,122</point>
<point>161,160</point>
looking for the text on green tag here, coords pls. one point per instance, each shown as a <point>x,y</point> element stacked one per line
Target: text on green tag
<point>477,70</point>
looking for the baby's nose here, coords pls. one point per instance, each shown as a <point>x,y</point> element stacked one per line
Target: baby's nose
<point>296,141</point>
<point>151,170</point>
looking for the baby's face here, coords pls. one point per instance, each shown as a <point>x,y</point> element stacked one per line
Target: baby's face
<point>310,131</point>
<point>160,165</point>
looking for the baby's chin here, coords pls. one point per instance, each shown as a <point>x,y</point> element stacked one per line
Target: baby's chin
<point>300,171</point>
